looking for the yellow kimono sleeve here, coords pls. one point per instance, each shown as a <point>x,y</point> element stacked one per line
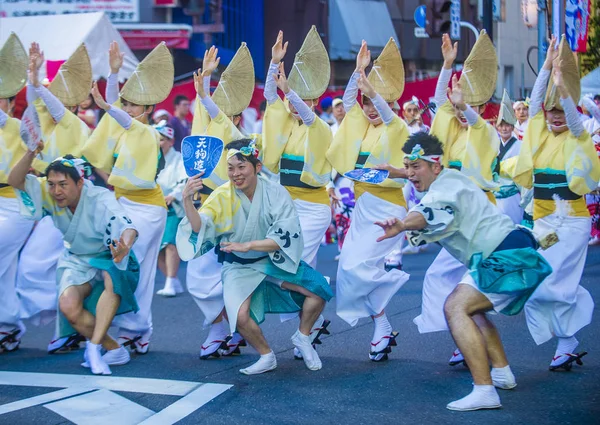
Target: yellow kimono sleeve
<point>389,150</point>
<point>65,137</point>
<point>137,161</point>
<point>277,127</point>
<point>221,206</point>
<point>345,147</point>
<point>520,168</point>
<point>445,127</point>
<point>481,154</point>
<point>101,148</point>
<point>12,149</point>
<point>582,164</point>
<point>317,169</point>
<point>201,119</point>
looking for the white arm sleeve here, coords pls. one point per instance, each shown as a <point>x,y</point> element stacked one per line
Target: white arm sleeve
<point>30,93</point>
<point>112,88</point>
<point>351,92</point>
<point>440,96</point>
<point>386,113</point>
<point>206,85</point>
<point>210,106</point>
<point>572,116</point>
<point>121,117</point>
<point>538,92</point>
<point>54,106</point>
<point>3,118</point>
<point>471,116</point>
<point>270,92</point>
<point>592,108</point>
<point>306,114</point>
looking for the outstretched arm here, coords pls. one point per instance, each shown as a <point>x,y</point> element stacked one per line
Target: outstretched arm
<point>17,175</point>
<point>449,52</point>
<point>115,58</point>
<point>119,115</point>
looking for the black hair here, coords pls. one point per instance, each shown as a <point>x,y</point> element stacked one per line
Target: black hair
<point>263,106</point>
<point>597,97</point>
<point>10,99</point>
<point>72,172</point>
<point>242,143</point>
<point>430,144</point>
<point>179,98</point>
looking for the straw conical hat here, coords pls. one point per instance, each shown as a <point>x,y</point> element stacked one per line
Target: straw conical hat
<point>13,67</point>
<point>570,75</point>
<point>507,113</point>
<point>152,80</point>
<point>480,71</point>
<point>310,74</point>
<point>387,73</point>
<point>73,82</point>
<point>234,92</point>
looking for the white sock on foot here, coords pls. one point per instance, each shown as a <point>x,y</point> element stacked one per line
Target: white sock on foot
<point>93,357</point>
<point>482,397</point>
<point>503,378</point>
<point>309,354</point>
<point>565,346</point>
<point>266,363</point>
<point>382,329</point>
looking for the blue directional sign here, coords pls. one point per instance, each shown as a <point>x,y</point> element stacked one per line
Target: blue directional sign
<point>420,16</point>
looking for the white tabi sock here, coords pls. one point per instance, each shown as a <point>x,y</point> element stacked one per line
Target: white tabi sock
<point>482,397</point>
<point>94,359</point>
<point>216,335</point>
<point>382,329</point>
<point>309,354</point>
<point>503,378</point>
<point>565,346</point>
<point>266,363</point>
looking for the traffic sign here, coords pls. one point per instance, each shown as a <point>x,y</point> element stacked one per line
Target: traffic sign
<point>420,16</point>
<point>421,33</point>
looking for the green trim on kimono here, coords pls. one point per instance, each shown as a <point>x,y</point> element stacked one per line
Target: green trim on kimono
<point>170,233</point>
<point>124,284</point>
<point>513,271</point>
<point>269,298</point>
<point>506,191</point>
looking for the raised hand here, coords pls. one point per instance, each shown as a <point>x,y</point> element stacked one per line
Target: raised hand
<point>119,250</point>
<point>37,55</point>
<point>199,85</point>
<point>115,57</point>
<point>279,49</point>
<point>281,80</point>
<point>391,228</point>
<point>210,61</point>
<point>455,94</point>
<point>98,97</point>
<point>193,185</point>
<point>449,51</point>
<point>363,59</point>
<point>365,86</point>
<point>552,52</point>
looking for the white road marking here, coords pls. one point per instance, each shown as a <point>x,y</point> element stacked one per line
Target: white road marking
<point>42,399</point>
<point>84,397</point>
<point>100,408</point>
<point>187,405</point>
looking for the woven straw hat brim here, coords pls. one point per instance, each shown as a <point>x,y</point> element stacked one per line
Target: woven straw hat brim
<point>13,67</point>
<point>507,113</point>
<point>570,75</point>
<point>236,86</point>
<point>480,72</point>
<point>311,71</point>
<point>73,82</point>
<point>152,80</point>
<point>387,73</point>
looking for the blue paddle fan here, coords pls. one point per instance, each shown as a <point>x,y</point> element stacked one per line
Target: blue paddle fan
<point>201,154</point>
<point>368,175</point>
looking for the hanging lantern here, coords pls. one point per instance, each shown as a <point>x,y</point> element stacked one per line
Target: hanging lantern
<point>529,10</point>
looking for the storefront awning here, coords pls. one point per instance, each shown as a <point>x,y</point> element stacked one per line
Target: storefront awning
<point>148,36</point>
<point>351,21</point>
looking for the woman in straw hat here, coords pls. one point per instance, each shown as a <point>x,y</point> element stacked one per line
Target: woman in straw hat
<point>14,230</point>
<point>64,133</point>
<point>471,146</point>
<point>125,146</point>
<point>369,137</point>
<point>508,196</point>
<point>218,116</point>
<point>559,161</point>
<point>295,141</point>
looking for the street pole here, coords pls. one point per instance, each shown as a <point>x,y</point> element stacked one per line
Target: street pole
<point>470,26</point>
<point>488,18</point>
<point>558,18</point>
<point>542,33</point>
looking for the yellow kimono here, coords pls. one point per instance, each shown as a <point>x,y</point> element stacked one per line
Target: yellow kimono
<point>562,166</point>
<point>473,151</point>
<point>297,152</point>
<point>65,137</point>
<point>360,144</point>
<point>130,157</point>
<point>12,150</point>
<point>221,127</point>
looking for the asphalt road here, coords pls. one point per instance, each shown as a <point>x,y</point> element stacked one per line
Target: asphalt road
<point>413,387</point>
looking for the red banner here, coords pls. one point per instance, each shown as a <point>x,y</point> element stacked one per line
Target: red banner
<point>148,39</point>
